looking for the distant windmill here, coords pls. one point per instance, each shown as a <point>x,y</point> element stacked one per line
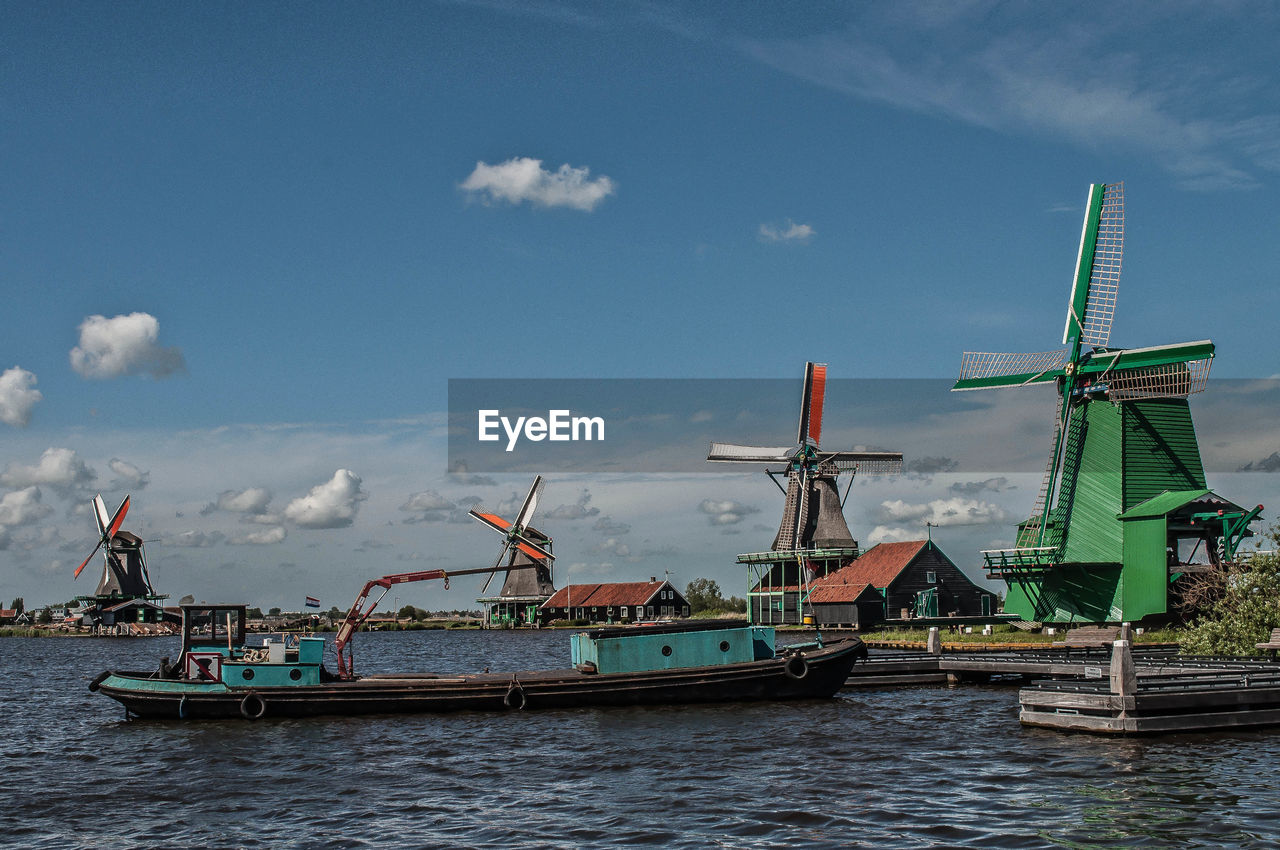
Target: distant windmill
<point>522,544</point>
<point>813,538</point>
<point>1124,453</point>
<point>124,568</point>
<point>812,516</point>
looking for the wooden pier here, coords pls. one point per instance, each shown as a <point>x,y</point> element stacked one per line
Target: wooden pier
<point>1117,690</point>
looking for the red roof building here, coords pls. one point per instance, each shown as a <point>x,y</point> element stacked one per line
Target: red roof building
<point>617,602</point>
<point>898,581</point>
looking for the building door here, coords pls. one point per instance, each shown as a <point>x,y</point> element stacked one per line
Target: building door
<point>986,605</point>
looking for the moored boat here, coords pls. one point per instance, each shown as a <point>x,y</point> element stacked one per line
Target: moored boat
<point>219,676</point>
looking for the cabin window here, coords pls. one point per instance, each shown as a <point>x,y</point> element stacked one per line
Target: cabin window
<point>684,611</point>
<point>931,577</point>
<point>622,612</point>
<point>650,610</point>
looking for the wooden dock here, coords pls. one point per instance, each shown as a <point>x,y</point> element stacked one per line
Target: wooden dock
<point>1118,690</point>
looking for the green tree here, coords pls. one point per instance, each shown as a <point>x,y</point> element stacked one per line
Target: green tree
<point>253,614</point>
<point>703,595</point>
<point>45,617</point>
<point>274,612</point>
<point>1244,607</point>
<point>19,605</point>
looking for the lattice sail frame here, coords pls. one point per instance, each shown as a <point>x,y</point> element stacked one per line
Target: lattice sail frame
<point>993,364</point>
<point>1104,280</point>
<point>1172,380</point>
<point>863,466</point>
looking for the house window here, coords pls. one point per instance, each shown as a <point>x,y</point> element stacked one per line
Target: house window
<point>650,610</point>
<point>930,577</point>
<point>622,612</point>
<point>684,609</point>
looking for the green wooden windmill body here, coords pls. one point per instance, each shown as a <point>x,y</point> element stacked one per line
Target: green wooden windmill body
<point>1124,439</point>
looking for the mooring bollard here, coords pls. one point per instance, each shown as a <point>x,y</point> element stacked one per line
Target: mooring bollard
<point>934,646</point>
<point>1126,632</point>
<point>1124,677</point>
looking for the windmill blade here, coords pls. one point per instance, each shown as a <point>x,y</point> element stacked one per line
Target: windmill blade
<point>100,514</point>
<point>506,545</point>
<point>983,370</point>
<point>117,520</point>
<point>1165,371</point>
<point>729,453</point>
<point>107,527</point>
<point>815,388</point>
<point>494,521</point>
<point>530,504</point>
<point>80,568</point>
<point>532,548</point>
<point>1103,362</point>
<point>865,463</point>
<point>1097,279</point>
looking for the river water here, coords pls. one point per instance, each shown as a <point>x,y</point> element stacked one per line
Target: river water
<point>892,767</point>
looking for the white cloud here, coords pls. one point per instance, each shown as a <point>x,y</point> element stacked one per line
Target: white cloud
<point>725,512</point>
<point>124,345</point>
<point>60,469</point>
<point>195,539</point>
<point>333,504</point>
<point>607,525</point>
<point>21,507</point>
<point>792,232</point>
<point>524,179</point>
<point>128,476</point>
<point>1007,68</point>
<point>887,534</point>
<point>17,397</point>
<point>940,512</point>
<point>579,510</point>
<point>265,537</point>
<point>430,506</point>
<point>251,500</point>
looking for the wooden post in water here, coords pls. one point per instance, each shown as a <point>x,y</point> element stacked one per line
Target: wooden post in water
<point>934,645</point>
<point>1124,677</point>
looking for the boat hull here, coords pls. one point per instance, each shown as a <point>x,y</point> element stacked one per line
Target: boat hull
<point>814,674</point>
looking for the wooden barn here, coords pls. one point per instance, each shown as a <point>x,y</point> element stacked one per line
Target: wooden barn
<point>618,602</point>
<point>898,581</point>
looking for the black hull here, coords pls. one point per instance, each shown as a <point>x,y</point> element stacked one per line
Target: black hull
<point>815,674</point>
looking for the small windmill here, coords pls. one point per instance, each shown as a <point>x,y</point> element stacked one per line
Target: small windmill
<point>1123,436</point>
<point>523,588</point>
<point>813,534</point>
<point>124,568</point>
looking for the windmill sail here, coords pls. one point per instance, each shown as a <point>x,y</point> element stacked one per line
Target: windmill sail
<point>1097,279</point>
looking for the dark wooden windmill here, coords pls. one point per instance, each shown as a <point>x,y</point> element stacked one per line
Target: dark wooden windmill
<point>124,595</point>
<point>813,538</point>
<point>524,589</point>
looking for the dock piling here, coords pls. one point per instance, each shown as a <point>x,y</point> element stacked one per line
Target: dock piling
<point>934,644</point>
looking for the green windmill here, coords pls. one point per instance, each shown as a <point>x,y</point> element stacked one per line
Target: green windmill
<point>1123,514</point>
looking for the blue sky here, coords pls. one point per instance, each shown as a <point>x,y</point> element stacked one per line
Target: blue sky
<point>297,222</point>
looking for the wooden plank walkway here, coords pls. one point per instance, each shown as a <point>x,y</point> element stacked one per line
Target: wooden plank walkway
<point>1106,691</point>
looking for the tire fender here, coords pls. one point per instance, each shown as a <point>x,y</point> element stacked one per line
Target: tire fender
<point>796,667</point>
<point>515,698</point>
<point>253,706</point>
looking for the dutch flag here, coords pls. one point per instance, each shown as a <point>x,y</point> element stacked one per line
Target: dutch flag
<point>312,602</point>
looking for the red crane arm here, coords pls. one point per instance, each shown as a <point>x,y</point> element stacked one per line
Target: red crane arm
<point>362,608</point>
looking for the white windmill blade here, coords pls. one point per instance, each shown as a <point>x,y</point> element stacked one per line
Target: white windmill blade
<point>100,514</point>
<point>729,453</point>
<point>530,504</point>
